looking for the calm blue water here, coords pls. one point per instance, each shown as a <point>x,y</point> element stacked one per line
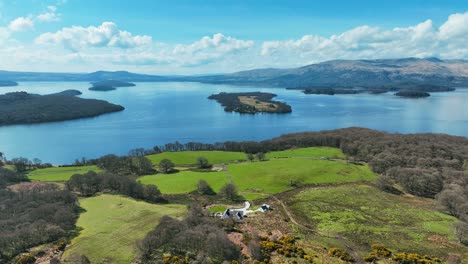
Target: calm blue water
<point>158,113</point>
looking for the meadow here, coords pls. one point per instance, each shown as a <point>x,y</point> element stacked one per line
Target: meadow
<point>185,181</point>
<point>314,152</point>
<point>111,225</point>
<point>59,174</point>
<point>364,215</point>
<point>278,175</point>
<point>190,157</point>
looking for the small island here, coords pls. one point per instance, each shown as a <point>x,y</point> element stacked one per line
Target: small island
<point>403,90</point>
<point>330,91</point>
<point>412,94</point>
<point>102,88</point>
<point>250,103</point>
<point>8,83</point>
<point>109,85</point>
<point>26,108</point>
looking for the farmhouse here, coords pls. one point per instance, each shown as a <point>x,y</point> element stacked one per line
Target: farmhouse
<point>239,213</point>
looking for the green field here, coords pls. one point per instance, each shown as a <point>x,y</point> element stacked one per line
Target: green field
<point>59,174</point>
<point>190,157</point>
<point>274,176</point>
<point>314,152</point>
<point>364,215</point>
<point>185,181</point>
<point>112,225</point>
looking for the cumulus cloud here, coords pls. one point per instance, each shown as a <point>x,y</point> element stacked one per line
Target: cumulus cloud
<point>49,15</point>
<point>218,42</point>
<point>108,47</point>
<point>106,35</point>
<point>421,40</point>
<point>209,49</point>
<point>21,24</point>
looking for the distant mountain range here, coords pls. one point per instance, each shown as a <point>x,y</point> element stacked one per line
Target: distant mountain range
<point>383,73</point>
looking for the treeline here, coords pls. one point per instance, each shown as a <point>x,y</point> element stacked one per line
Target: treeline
<point>91,183</point>
<point>8,177</point>
<point>196,239</point>
<point>125,165</point>
<point>32,215</point>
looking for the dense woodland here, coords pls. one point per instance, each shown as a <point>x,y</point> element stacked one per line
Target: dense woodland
<point>90,183</point>
<point>409,93</point>
<point>231,102</point>
<point>25,108</point>
<point>196,239</point>
<point>32,214</point>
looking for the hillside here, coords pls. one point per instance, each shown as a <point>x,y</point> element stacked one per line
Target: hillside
<point>80,77</point>
<point>380,73</point>
<point>25,108</point>
<point>384,73</point>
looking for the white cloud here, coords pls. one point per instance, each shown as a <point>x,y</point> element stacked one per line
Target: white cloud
<point>21,24</point>
<point>218,42</point>
<point>456,26</point>
<point>365,42</point>
<point>49,15</point>
<point>107,47</point>
<point>106,35</point>
<point>209,49</point>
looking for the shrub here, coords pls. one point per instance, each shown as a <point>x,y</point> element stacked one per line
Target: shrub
<point>204,188</point>
<point>166,166</point>
<point>25,259</point>
<point>341,254</point>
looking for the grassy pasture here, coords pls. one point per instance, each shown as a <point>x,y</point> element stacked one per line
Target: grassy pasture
<point>274,176</point>
<point>112,225</point>
<point>364,215</point>
<point>314,152</point>
<point>185,181</point>
<point>59,174</point>
<point>190,157</point>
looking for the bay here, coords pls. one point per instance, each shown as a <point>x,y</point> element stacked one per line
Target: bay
<point>159,113</point>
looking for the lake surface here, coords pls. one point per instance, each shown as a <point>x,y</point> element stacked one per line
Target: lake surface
<point>159,113</point>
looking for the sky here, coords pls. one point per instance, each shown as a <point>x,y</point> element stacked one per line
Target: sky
<point>214,36</point>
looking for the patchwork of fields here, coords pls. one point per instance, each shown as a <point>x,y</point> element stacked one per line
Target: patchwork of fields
<point>341,204</point>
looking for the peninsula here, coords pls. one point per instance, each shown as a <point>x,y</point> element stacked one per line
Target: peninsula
<point>26,108</point>
<point>8,83</point>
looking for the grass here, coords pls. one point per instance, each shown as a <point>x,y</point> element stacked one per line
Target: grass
<point>112,225</point>
<point>218,209</point>
<point>364,215</point>
<point>59,174</point>
<point>258,104</point>
<point>275,176</point>
<point>314,152</point>
<point>185,181</point>
<point>190,157</point>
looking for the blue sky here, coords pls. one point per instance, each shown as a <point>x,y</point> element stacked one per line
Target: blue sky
<point>179,37</point>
